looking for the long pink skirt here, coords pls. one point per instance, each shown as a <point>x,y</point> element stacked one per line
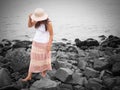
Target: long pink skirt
<point>40,58</point>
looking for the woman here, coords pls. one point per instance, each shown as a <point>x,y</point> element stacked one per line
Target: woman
<point>41,45</point>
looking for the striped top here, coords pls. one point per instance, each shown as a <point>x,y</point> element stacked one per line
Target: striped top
<point>41,35</point>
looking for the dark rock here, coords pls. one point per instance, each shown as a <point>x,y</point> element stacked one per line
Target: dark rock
<point>21,44</point>
<point>66,72</point>
<point>78,87</point>
<point>111,41</point>
<point>100,64</point>
<point>5,79</point>
<point>88,43</point>
<point>65,87</point>
<point>116,68</point>
<point>103,37</point>
<point>19,59</point>
<point>71,49</point>
<point>109,82</point>
<point>94,85</point>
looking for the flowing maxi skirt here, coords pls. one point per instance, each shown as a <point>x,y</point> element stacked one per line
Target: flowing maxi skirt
<point>40,59</point>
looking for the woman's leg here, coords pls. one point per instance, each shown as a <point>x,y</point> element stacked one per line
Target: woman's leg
<point>44,73</point>
<point>29,76</point>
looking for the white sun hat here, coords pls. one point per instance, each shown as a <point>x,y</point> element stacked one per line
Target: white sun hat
<point>39,15</point>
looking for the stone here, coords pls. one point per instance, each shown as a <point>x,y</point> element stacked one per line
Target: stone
<point>116,67</point>
<point>93,85</point>
<point>62,64</point>
<point>64,74</point>
<point>19,59</point>
<point>65,87</point>
<point>44,84</point>
<point>82,64</point>
<point>78,87</point>
<point>89,72</point>
<point>5,79</point>
<point>100,64</point>
<point>109,81</point>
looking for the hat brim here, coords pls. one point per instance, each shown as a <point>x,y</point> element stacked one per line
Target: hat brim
<point>44,17</point>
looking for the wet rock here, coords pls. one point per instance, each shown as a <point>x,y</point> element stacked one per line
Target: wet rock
<point>66,72</point>
<point>19,59</point>
<point>5,79</point>
<point>89,72</point>
<point>44,84</point>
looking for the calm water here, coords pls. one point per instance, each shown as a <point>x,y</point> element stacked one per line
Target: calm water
<point>71,18</point>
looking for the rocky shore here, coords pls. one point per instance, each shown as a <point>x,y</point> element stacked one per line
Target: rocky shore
<point>84,65</point>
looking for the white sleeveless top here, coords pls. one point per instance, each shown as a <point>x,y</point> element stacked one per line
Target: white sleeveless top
<point>41,35</point>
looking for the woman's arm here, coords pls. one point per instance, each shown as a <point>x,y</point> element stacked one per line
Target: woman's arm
<point>50,29</point>
<point>30,23</point>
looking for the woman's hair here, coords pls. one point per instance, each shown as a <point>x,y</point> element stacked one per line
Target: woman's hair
<point>42,22</point>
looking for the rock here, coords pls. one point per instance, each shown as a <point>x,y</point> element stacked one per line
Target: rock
<point>88,43</point>
<point>100,64</point>
<point>116,88</point>
<point>19,59</point>
<point>5,79</point>
<point>77,79</point>
<point>93,53</point>
<point>78,87</point>
<point>21,44</point>
<point>93,85</point>
<point>62,64</point>
<point>6,42</point>
<point>89,72</point>
<point>65,87</point>
<point>109,81</point>
<point>44,84</point>
<point>116,68</point>
<point>66,72</point>
<point>111,41</point>
<point>72,49</point>
<point>82,64</point>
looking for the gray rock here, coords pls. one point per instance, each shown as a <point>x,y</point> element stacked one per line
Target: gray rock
<point>89,72</point>
<point>82,64</point>
<point>5,79</point>
<point>44,84</point>
<point>100,64</point>
<point>64,74</point>
<point>94,85</point>
<point>19,59</point>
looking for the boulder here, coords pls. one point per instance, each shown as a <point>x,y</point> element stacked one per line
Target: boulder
<point>111,41</point>
<point>44,84</point>
<point>65,87</point>
<point>78,87</point>
<point>5,79</point>
<point>19,59</point>
<point>82,64</point>
<point>94,85</point>
<point>89,72</point>
<point>64,74</point>
<point>100,64</point>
